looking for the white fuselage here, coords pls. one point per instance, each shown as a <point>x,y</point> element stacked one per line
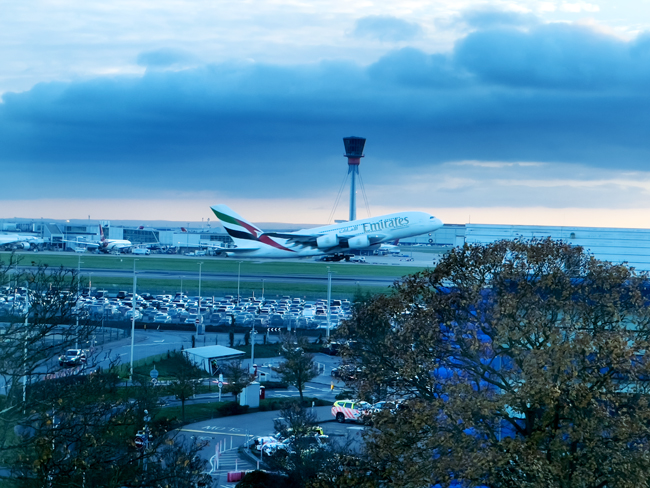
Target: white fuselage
<point>385,228</point>
<point>25,241</point>
<point>115,244</point>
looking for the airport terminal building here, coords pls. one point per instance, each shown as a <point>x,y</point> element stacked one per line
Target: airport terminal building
<point>611,244</point>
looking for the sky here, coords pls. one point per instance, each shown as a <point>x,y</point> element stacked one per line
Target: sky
<point>516,112</point>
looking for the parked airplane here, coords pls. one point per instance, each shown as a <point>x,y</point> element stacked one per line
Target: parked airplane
<point>106,245</point>
<point>390,249</point>
<point>18,240</point>
<point>334,239</point>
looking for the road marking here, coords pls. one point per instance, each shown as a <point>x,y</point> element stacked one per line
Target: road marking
<point>213,432</point>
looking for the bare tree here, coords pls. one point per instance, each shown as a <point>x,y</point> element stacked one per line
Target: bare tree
<point>69,427</point>
<point>185,380</point>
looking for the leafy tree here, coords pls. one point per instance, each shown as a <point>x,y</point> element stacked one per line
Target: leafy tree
<point>298,366</point>
<point>523,364</point>
<point>185,381</point>
<point>237,378</point>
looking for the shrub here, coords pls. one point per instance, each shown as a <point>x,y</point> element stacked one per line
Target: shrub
<point>232,408</point>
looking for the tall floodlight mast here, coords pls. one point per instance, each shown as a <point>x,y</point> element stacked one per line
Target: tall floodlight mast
<point>354,152</point>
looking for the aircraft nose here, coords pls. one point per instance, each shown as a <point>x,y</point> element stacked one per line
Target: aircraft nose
<point>436,223</point>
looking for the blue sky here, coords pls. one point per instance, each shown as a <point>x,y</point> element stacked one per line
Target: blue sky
<point>512,112</point>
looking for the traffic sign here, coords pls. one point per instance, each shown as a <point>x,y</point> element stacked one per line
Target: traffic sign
<point>220,384</point>
<point>154,381</point>
<point>153,373</point>
<point>197,322</point>
<point>139,442</point>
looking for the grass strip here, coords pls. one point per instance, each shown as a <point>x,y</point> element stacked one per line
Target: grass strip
<point>200,412</point>
<point>187,264</point>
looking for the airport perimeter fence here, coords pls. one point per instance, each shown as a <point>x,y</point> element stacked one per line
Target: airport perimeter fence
<point>125,328</point>
<point>101,335</point>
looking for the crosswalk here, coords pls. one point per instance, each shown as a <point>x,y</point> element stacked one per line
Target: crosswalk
<point>308,390</point>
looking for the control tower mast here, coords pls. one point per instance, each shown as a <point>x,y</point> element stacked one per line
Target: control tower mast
<point>354,152</point>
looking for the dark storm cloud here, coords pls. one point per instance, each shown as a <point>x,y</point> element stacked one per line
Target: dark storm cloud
<point>386,28</point>
<point>555,93</point>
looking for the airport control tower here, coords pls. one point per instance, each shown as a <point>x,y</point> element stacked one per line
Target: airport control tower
<point>354,152</point>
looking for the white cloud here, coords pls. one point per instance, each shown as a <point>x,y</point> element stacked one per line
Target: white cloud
<point>578,7</point>
<point>546,7</point>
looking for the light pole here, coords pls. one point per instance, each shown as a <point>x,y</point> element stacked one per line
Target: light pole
<point>238,277</point>
<point>262,290</point>
<point>25,349</point>
<point>182,285</point>
<point>90,283</point>
<point>133,303</point>
<point>199,310</point>
<point>76,340</point>
<point>251,369</point>
<point>329,299</point>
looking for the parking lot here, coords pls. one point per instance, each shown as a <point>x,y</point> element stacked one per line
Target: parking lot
<point>287,312</point>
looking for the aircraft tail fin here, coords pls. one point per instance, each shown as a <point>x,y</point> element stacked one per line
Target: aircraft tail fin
<point>101,233</point>
<point>242,232</point>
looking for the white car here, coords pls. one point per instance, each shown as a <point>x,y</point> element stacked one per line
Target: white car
<point>257,443</point>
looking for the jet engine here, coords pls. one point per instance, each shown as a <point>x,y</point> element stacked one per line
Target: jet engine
<point>359,242</point>
<point>327,241</point>
<point>25,245</point>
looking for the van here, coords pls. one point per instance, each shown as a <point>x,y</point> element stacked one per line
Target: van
<point>141,251</point>
<point>80,250</point>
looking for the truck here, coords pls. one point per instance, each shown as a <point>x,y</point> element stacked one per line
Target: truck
<point>141,251</point>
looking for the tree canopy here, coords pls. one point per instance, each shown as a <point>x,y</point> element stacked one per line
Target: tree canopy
<point>298,366</point>
<point>519,363</point>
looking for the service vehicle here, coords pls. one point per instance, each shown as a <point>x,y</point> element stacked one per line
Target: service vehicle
<point>357,411</point>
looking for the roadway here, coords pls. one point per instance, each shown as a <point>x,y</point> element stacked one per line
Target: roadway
<point>268,278</point>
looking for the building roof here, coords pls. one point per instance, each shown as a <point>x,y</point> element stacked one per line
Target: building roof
<point>214,352</point>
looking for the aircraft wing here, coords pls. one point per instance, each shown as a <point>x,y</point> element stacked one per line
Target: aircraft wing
<point>82,243</point>
<point>309,240</point>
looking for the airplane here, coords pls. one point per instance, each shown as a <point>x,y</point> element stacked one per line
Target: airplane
<point>19,240</point>
<point>336,239</point>
<point>106,245</point>
<point>390,249</point>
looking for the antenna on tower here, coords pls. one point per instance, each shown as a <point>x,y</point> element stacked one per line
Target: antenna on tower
<point>354,152</point>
